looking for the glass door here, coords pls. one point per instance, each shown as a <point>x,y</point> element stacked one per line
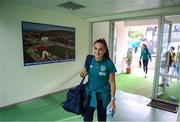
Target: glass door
<point>168,85</point>
<point>163,64</point>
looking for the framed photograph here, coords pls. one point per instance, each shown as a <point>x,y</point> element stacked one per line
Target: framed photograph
<point>44,43</point>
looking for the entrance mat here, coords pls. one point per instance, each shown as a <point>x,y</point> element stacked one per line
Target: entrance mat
<point>164,105</point>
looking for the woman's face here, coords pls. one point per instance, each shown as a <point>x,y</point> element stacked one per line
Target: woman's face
<point>143,46</point>
<point>99,50</point>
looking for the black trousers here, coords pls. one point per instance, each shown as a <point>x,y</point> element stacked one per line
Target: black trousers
<point>89,111</point>
<point>145,66</point>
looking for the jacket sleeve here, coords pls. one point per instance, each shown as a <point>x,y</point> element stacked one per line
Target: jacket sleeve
<point>140,56</point>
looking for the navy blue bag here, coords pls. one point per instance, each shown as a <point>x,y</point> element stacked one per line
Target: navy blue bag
<point>74,97</point>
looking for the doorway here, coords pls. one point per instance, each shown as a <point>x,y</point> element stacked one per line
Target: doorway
<point>167,30</point>
<point>129,35</point>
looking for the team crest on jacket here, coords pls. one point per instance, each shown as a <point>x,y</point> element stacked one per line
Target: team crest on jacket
<point>103,68</point>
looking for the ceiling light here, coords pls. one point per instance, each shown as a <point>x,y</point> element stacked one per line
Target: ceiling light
<point>71,5</point>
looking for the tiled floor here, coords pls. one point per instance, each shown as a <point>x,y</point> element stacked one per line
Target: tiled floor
<point>132,107</point>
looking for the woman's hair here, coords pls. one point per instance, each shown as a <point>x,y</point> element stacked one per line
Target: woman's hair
<point>172,48</point>
<point>102,41</point>
<point>144,45</point>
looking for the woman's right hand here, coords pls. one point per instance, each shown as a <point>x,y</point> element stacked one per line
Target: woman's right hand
<point>83,72</point>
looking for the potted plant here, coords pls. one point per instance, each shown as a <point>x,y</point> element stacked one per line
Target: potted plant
<point>129,61</point>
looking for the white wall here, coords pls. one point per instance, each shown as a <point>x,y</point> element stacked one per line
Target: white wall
<point>121,49</point>
<point>101,30</point>
<point>18,82</point>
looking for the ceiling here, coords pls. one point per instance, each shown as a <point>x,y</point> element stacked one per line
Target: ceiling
<point>95,8</point>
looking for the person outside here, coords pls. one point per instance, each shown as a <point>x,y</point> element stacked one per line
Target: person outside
<point>145,55</point>
<point>168,65</point>
<point>100,87</point>
<point>170,59</point>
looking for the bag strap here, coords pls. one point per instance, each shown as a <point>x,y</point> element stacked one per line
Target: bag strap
<point>88,62</point>
<point>87,65</point>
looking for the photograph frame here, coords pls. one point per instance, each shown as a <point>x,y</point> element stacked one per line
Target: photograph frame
<point>46,43</point>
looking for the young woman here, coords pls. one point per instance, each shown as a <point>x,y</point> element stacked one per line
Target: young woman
<point>101,87</point>
<point>145,55</point>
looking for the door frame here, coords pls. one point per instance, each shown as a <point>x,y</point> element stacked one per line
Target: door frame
<point>158,57</point>
<point>159,43</point>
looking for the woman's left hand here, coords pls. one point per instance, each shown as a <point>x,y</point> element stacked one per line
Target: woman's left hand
<point>113,105</point>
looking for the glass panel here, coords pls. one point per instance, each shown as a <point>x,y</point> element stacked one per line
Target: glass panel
<point>169,79</point>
